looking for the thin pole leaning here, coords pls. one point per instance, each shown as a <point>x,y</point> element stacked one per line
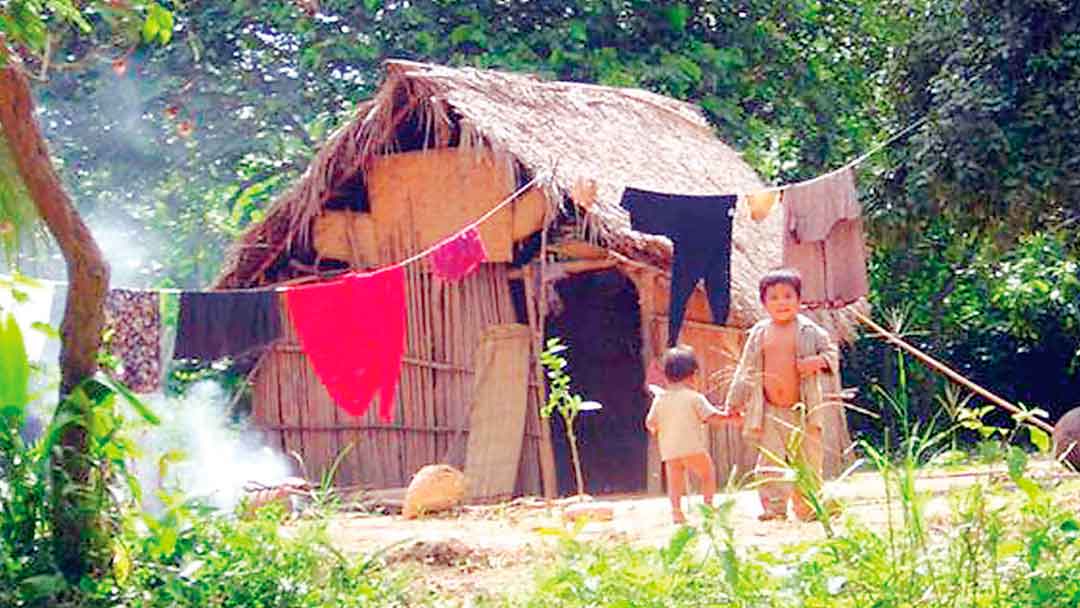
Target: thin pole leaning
<point>951,373</point>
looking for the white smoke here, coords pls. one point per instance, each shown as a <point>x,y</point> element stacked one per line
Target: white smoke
<point>219,458</point>
<point>131,251</point>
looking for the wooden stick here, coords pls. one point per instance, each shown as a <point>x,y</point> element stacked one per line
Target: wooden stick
<point>548,479</point>
<point>547,449</point>
<point>949,372</point>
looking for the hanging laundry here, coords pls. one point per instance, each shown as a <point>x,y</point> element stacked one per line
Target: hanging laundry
<point>133,327</point>
<point>761,203</point>
<point>457,257</point>
<point>700,228</point>
<point>30,301</point>
<point>217,324</point>
<point>814,207</point>
<point>353,332</point>
<point>823,240</point>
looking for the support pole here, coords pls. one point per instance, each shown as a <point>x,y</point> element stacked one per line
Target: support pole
<point>548,478</point>
<point>949,372</point>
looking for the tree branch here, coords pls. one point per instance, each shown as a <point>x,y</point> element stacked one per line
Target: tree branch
<point>76,541</point>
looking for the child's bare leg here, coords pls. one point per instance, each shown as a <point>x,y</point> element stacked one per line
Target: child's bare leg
<point>676,480</point>
<point>812,454</point>
<point>801,507</point>
<point>774,497</point>
<point>701,465</point>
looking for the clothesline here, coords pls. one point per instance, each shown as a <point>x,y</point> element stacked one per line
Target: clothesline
<point>483,218</point>
<point>410,260</point>
<point>858,160</point>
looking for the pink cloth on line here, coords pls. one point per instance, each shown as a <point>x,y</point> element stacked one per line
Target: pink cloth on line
<point>353,332</point>
<point>459,255</point>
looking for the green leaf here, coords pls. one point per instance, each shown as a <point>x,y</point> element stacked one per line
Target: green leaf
<point>460,34</point>
<point>150,28</point>
<point>372,5</point>
<point>169,458</point>
<point>1040,439</point>
<point>42,586</point>
<point>167,25</point>
<point>46,329</point>
<point>67,10</point>
<point>133,400</point>
<point>159,24</point>
<point>678,544</point>
<point>678,16</point>
<point>14,365</point>
<point>167,540</point>
<point>578,32</point>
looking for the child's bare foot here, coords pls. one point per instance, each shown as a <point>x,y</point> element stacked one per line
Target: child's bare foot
<point>678,519</point>
<point>770,516</point>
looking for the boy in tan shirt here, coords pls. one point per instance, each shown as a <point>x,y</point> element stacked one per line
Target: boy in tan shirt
<point>678,417</point>
<point>782,364</point>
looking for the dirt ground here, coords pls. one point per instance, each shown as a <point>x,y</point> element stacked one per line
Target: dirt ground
<point>479,551</point>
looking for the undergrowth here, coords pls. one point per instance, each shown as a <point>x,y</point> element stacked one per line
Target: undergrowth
<point>998,547</point>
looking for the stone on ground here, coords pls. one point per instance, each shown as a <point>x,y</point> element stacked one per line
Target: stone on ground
<point>434,488</point>
<point>1067,438</point>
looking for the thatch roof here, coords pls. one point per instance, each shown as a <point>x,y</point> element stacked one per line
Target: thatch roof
<point>615,136</point>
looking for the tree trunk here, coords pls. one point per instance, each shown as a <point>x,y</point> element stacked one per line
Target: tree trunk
<point>74,526</point>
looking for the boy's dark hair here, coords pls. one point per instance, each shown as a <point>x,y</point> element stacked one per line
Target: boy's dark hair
<point>780,276</point>
<point>680,363</point>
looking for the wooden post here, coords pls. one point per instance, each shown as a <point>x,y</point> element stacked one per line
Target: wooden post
<point>548,478</point>
<point>645,281</point>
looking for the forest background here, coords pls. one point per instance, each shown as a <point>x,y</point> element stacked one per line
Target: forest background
<point>170,151</point>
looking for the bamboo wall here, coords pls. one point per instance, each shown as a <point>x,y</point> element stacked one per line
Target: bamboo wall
<point>445,322</point>
<point>416,198</point>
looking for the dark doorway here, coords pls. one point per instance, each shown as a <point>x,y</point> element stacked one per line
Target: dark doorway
<point>600,322</point>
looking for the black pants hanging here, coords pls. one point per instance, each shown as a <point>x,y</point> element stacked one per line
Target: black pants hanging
<point>700,228</point>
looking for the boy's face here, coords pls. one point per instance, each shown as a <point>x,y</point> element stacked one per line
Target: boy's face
<point>781,302</point>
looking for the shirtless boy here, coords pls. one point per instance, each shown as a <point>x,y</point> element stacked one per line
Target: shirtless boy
<point>780,368</point>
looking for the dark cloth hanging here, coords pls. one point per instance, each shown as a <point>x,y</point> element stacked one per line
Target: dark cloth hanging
<point>217,324</point>
<point>824,241</point>
<point>459,255</point>
<point>133,321</point>
<point>700,228</point>
<point>353,332</point>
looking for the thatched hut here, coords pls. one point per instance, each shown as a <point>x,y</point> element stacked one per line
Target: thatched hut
<point>435,148</point>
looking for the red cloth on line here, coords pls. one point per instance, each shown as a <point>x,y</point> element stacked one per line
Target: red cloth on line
<point>459,255</point>
<point>353,332</point>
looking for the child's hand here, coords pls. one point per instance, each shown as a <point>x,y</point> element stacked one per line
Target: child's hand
<point>808,366</point>
<point>725,417</point>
